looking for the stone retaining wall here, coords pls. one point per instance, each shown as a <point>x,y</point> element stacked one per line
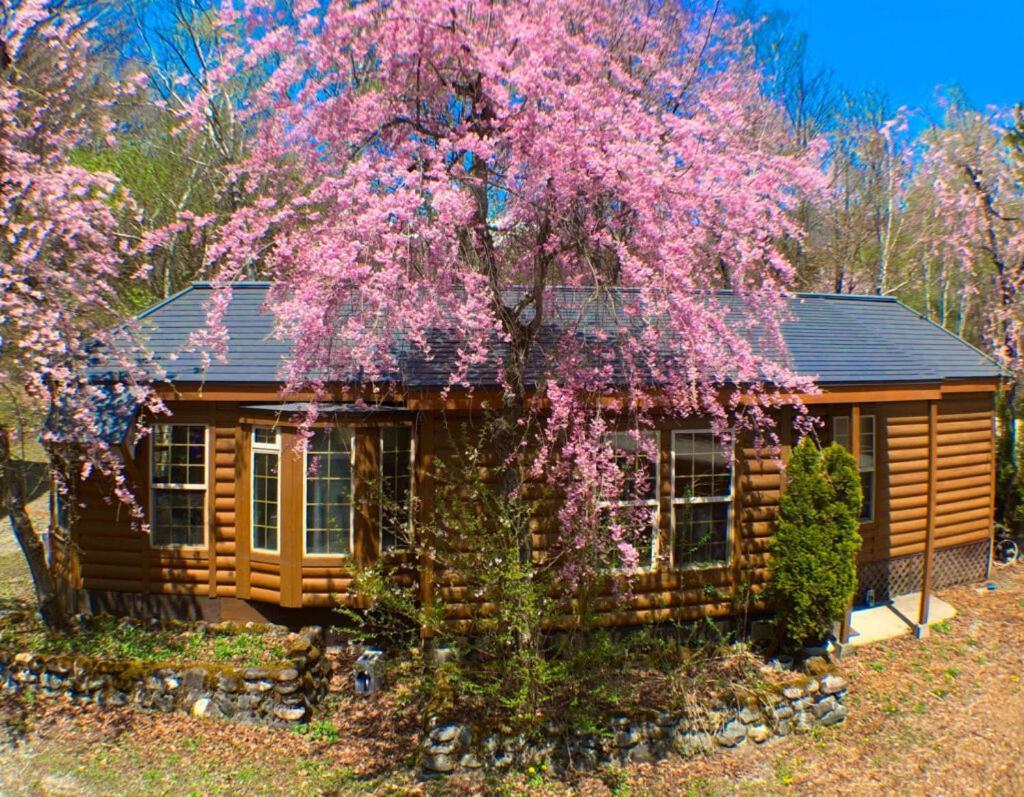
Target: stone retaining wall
<point>266,695</point>
<point>454,747</point>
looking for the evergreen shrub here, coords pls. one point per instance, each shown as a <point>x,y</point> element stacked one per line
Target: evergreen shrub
<point>813,554</point>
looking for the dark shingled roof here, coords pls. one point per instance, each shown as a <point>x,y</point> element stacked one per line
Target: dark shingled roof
<point>838,339</point>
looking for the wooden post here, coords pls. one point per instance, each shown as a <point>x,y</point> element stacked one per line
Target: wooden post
<point>844,628</point>
<point>291,542</point>
<point>855,434</point>
<point>366,483</point>
<point>929,544</point>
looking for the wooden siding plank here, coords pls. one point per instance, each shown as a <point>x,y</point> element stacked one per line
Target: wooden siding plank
<point>366,514</point>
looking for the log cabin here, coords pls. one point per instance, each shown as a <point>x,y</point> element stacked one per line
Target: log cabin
<point>243,528</point>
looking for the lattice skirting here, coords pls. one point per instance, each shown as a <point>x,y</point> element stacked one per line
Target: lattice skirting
<point>891,577</point>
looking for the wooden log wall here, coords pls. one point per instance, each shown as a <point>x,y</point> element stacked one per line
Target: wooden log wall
<point>112,556</point>
<point>665,593</point>
<point>902,522</point>
<point>964,462</point>
<point>965,489</point>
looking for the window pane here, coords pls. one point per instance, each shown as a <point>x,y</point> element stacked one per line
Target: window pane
<point>639,470</point>
<point>329,492</point>
<point>701,533</point>
<point>179,454</point>
<point>178,517</point>
<point>645,546</point>
<point>702,473</point>
<point>264,500</point>
<point>841,431</point>
<point>867,443</point>
<point>701,470</point>
<point>867,485</point>
<point>264,435</point>
<point>396,486</point>
<point>634,517</point>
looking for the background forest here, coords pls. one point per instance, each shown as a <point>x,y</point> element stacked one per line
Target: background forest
<point>924,205</point>
<point>921,204</point>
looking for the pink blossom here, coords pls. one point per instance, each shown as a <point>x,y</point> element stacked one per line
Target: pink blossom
<point>428,173</point>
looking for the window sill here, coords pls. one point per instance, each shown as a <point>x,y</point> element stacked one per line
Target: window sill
<point>326,559</point>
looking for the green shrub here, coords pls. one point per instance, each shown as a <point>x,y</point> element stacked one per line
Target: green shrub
<point>813,554</point>
<point>472,534</point>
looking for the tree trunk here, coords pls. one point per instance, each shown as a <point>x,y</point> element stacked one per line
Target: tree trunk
<point>12,502</point>
<point>507,430</point>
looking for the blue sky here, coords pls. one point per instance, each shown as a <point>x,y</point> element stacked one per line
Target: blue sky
<point>907,47</point>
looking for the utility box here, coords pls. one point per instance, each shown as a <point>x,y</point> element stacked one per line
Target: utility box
<point>369,672</point>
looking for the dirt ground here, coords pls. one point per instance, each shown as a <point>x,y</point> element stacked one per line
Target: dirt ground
<point>943,716</point>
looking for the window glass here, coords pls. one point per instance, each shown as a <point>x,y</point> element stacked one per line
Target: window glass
<point>178,517</point>
<point>178,481</point>
<point>867,466</point>
<point>264,436</point>
<point>701,470</point>
<point>701,533</point>
<point>701,499</point>
<point>329,492</point>
<point>640,471</point>
<point>841,431</point>
<point>396,486</point>
<point>179,454</point>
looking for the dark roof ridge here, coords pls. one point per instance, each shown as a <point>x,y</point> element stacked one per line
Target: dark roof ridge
<point>862,297</point>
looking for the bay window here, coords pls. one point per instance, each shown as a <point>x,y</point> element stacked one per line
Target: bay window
<point>178,485</point>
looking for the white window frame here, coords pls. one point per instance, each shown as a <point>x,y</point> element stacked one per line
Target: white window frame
<point>653,503</point>
<point>412,491</point>
<point>352,502</point>
<point>204,487</point>
<point>263,448</point>
<point>729,502</point>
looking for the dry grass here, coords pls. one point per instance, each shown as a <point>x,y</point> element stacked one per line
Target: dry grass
<point>942,716</point>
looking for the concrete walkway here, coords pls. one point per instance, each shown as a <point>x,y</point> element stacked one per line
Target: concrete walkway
<point>896,618</point>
